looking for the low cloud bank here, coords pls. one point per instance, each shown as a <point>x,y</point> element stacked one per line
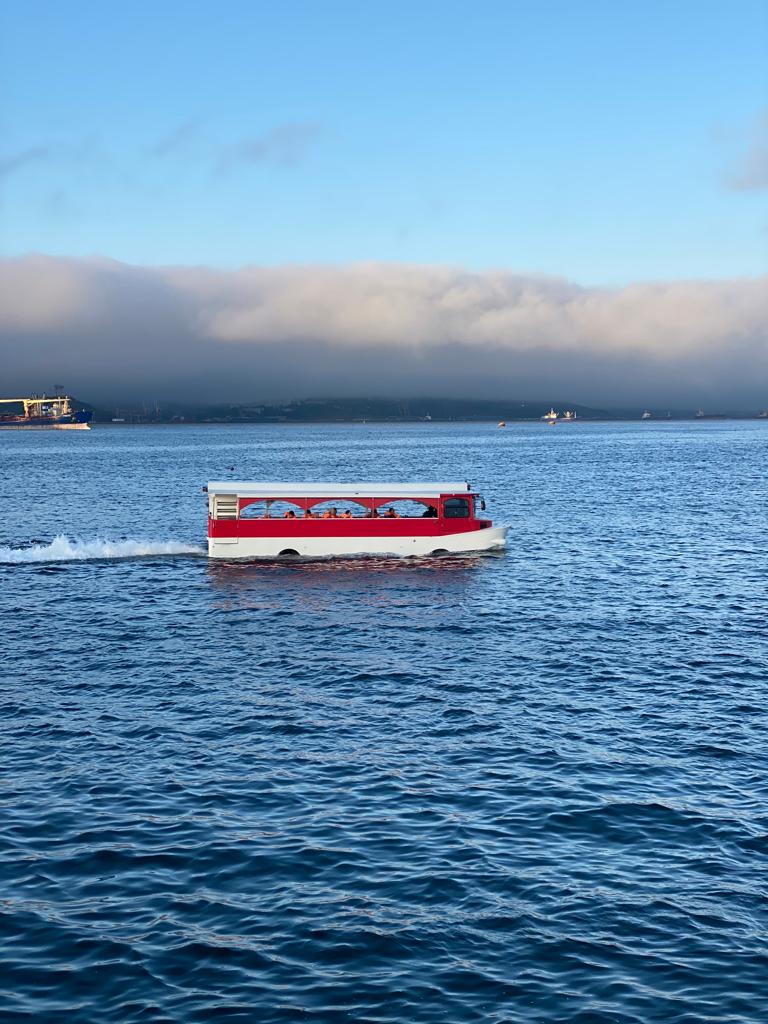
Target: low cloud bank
<point>114,332</point>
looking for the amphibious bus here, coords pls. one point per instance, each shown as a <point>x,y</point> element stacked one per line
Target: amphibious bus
<point>250,520</point>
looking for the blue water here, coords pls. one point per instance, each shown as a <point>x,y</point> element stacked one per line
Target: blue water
<point>528,788</point>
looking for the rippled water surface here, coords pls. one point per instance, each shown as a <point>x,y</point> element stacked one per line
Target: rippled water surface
<point>528,788</point>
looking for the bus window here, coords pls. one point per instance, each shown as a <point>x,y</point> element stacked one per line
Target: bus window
<point>339,508</point>
<point>404,508</point>
<point>456,508</point>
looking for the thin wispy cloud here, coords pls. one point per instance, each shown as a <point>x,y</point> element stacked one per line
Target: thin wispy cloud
<point>58,206</point>
<point>177,140</point>
<point>752,171</point>
<point>284,144</point>
<point>64,153</point>
<point>13,162</point>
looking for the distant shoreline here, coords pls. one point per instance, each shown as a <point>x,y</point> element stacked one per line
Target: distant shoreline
<point>415,422</point>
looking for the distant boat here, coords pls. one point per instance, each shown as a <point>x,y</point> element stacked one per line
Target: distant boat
<point>551,416</point>
<point>118,419</point>
<point>502,424</point>
<point>568,416</point>
<point>763,415</point>
<point>700,414</point>
<point>646,415</point>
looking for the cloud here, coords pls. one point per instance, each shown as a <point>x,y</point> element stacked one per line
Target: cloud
<point>285,144</point>
<point>13,162</point>
<point>176,140</point>
<point>115,331</point>
<point>73,152</point>
<point>752,172</point>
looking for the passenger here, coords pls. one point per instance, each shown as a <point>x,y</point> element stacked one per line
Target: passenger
<point>346,514</point>
<point>429,513</point>
<point>330,513</point>
<point>391,514</point>
<point>290,514</point>
<point>309,514</point>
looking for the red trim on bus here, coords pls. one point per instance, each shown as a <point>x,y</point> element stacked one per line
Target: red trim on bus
<point>342,527</point>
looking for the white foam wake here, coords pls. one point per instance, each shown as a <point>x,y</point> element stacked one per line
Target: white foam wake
<point>62,549</point>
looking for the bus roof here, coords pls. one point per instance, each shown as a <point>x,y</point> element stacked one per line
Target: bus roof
<point>257,489</point>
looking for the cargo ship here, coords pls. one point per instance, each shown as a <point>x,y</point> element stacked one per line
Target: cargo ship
<point>43,413</point>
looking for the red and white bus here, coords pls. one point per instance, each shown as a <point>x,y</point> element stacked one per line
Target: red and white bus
<point>270,520</point>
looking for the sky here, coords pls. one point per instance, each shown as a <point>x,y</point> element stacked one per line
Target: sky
<point>600,145</point>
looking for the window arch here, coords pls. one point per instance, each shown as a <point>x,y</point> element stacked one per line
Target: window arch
<point>267,508</point>
<point>407,508</point>
<point>342,507</point>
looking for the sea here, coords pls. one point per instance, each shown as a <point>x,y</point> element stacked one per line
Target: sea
<point>528,788</point>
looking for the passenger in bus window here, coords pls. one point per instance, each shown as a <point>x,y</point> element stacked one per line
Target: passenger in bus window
<point>346,514</point>
<point>391,514</point>
<point>429,513</point>
<point>289,514</point>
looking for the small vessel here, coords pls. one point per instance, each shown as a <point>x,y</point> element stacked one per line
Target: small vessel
<point>44,413</point>
<point>502,423</point>
<point>646,415</point>
<point>699,414</point>
<point>569,416</point>
<point>253,520</point>
<point>551,416</point>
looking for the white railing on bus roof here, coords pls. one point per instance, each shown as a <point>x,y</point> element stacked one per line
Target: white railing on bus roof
<point>378,489</point>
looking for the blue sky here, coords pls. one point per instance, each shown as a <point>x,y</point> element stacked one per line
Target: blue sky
<point>594,140</point>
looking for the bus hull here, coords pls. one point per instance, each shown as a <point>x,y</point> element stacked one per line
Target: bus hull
<point>22,424</point>
<point>254,548</point>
